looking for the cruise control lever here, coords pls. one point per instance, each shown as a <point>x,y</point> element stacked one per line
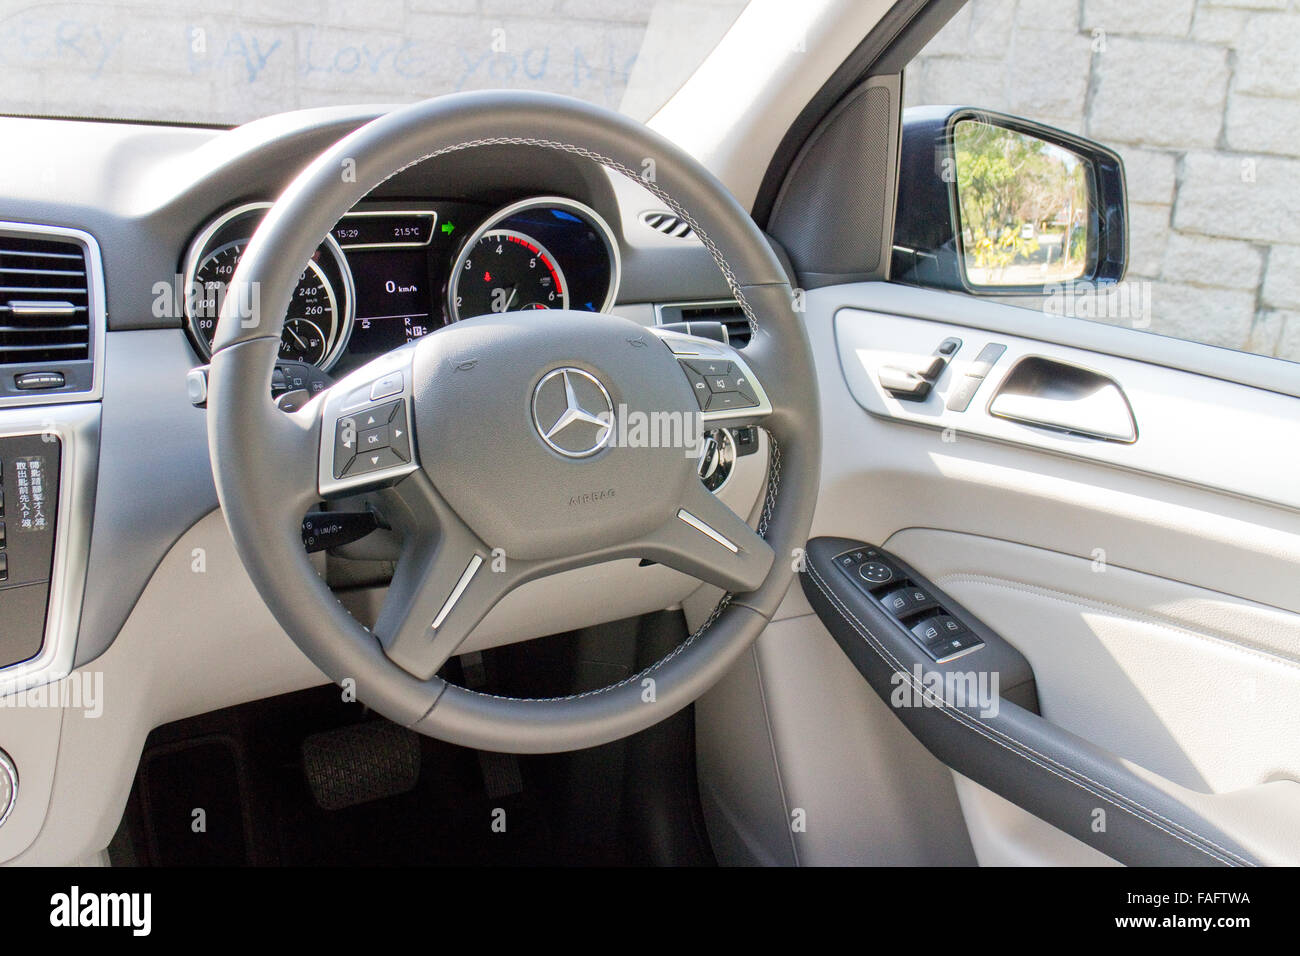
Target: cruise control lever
<point>322,530</point>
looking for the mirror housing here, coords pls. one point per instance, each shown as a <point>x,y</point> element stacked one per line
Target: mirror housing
<point>934,247</point>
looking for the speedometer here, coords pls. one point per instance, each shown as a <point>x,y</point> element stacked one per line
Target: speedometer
<point>318,319</point>
<point>506,271</point>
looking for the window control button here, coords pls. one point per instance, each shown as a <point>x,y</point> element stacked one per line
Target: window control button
<point>904,601</point>
<point>928,632</point>
<point>938,627</point>
<point>943,635</point>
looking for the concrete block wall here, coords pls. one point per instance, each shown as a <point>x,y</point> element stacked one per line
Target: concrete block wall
<point>1202,99</point>
<point>230,61</point>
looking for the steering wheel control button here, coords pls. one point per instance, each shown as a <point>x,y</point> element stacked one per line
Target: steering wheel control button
<point>387,386</point>
<point>699,385</point>
<point>726,401</point>
<point>740,383</point>
<point>399,434</point>
<point>345,445</point>
<point>710,368</point>
<point>372,439</point>
<point>368,462</point>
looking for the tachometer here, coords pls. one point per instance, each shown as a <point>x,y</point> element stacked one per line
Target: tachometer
<point>319,317</point>
<point>547,252</point>
<point>506,271</point>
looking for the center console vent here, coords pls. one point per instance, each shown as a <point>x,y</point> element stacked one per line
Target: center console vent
<point>51,313</point>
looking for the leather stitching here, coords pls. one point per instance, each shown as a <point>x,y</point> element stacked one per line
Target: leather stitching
<point>1021,749</point>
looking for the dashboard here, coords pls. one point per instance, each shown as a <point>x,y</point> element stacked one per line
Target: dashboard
<point>390,272</point>
<point>158,217</point>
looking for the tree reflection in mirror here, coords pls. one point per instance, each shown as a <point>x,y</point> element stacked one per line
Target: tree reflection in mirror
<point>1023,205</point>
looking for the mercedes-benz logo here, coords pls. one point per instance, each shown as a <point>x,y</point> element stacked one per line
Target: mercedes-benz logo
<point>572,412</point>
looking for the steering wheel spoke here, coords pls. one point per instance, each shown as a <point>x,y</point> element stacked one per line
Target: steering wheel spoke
<point>443,585</point>
<point>707,540</point>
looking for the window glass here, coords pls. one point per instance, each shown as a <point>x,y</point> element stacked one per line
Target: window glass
<point>1201,98</point>
<point>226,63</point>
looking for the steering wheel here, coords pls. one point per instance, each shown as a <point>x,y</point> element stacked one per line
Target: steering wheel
<point>514,464</point>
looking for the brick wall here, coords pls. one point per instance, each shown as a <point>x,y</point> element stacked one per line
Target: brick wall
<point>1202,99</point>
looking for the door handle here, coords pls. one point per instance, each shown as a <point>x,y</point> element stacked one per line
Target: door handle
<point>1047,393</point>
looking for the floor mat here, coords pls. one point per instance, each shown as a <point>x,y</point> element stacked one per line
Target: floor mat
<point>412,801</point>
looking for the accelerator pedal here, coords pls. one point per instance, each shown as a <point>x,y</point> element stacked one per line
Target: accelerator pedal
<point>360,763</point>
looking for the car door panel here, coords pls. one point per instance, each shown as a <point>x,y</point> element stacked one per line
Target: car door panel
<point>1192,428</point>
<point>1151,605</point>
<point>1152,669</point>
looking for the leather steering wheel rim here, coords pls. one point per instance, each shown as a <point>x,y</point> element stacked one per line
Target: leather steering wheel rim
<point>265,461</point>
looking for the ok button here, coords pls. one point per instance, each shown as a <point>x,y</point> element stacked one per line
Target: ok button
<point>373,438</point>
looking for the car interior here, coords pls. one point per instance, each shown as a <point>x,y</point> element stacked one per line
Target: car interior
<point>493,477</point>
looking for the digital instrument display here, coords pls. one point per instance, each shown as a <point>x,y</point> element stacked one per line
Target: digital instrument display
<point>394,299</point>
<point>376,230</point>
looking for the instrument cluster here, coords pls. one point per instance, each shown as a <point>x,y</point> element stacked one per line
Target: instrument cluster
<point>391,272</point>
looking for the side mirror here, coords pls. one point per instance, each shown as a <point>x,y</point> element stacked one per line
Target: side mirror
<point>997,205</point>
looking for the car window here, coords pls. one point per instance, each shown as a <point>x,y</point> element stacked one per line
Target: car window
<point>194,61</point>
<point>1201,98</point>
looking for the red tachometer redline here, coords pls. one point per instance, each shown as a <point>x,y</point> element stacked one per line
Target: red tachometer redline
<point>545,256</point>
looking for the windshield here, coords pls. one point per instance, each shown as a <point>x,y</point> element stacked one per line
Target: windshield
<point>193,61</point>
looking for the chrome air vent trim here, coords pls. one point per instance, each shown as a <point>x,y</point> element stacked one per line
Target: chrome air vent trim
<point>81,387</point>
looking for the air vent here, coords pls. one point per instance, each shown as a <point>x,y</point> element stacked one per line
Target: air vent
<point>668,223</point>
<point>44,301</point>
<point>51,314</point>
<point>728,313</point>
